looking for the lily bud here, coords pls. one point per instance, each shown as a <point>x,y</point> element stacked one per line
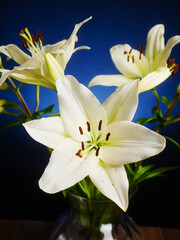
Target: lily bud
<point>53,66</point>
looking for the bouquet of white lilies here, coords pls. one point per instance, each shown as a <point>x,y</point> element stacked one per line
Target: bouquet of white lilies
<point>96,150</point>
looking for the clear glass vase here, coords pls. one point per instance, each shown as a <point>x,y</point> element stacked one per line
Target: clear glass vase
<point>95,220</point>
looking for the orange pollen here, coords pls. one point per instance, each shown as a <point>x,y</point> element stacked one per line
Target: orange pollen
<point>79,153</point>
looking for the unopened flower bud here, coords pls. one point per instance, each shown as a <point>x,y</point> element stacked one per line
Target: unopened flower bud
<point>54,67</point>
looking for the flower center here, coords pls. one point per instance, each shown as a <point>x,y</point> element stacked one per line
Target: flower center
<point>28,42</point>
<point>129,55</point>
<point>94,143</point>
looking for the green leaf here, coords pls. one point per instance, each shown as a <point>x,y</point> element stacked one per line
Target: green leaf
<point>9,104</point>
<point>172,117</point>
<point>47,110</point>
<point>165,100</point>
<point>54,115</point>
<point>11,124</point>
<point>146,120</point>
<point>173,141</point>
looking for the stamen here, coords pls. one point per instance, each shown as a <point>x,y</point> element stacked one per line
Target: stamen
<point>100,125</point>
<point>169,62</point>
<point>142,49</point>
<point>80,130</point>
<point>107,136</point>
<point>33,40</point>
<point>175,69</point>
<point>133,59</point>
<point>24,43</point>
<point>130,51</point>
<point>97,151</point>
<point>79,153</point>
<point>21,32</point>
<point>82,146</point>
<point>128,58</point>
<point>39,37</point>
<point>88,126</point>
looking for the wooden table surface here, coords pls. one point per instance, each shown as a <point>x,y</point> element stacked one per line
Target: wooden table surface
<point>37,230</point>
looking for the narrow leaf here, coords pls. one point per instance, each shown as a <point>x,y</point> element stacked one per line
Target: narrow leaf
<point>165,100</point>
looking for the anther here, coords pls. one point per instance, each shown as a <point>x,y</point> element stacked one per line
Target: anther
<point>39,36</point>
<point>100,125</point>
<point>82,146</point>
<point>125,52</point>
<point>142,49</point>
<point>80,130</point>
<point>24,43</point>
<point>130,51</point>
<point>79,153</point>
<point>107,136</point>
<point>21,32</point>
<point>97,151</point>
<point>33,40</point>
<point>175,69</point>
<point>170,62</point>
<point>88,126</point>
<point>133,59</point>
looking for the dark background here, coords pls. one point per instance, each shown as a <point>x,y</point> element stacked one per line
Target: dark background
<point>23,160</point>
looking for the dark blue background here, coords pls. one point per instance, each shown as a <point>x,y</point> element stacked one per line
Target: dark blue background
<point>23,160</point>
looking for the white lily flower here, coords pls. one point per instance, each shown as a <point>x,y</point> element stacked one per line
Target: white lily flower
<point>151,68</point>
<point>90,139</point>
<point>33,69</point>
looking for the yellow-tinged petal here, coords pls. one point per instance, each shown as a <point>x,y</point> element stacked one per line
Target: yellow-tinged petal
<point>53,66</point>
<point>153,79</point>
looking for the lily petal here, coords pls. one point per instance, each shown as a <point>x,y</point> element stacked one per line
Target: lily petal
<point>112,181</point>
<point>155,42</point>
<point>33,77</point>
<point>165,53</point>
<point>126,65</point>
<point>122,104</point>
<point>110,80</point>
<point>65,168</point>
<point>130,142</point>
<point>154,78</point>
<point>48,131</point>
<point>16,54</point>
<point>78,105</point>
<point>4,76</point>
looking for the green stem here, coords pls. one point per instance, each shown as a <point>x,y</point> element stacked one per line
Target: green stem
<point>168,111</point>
<point>157,98</point>
<point>37,98</point>
<point>20,97</point>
